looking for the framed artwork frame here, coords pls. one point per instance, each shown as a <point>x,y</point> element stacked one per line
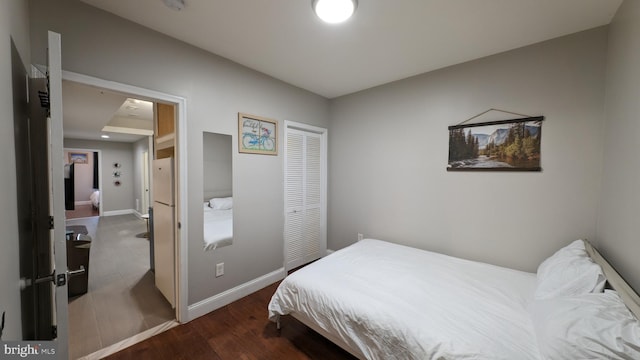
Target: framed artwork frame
<point>78,157</point>
<point>506,145</point>
<point>257,135</point>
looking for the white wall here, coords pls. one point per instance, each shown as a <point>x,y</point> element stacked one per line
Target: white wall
<point>215,90</point>
<point>388,153</point>
<point>14,25</point>
<point>620,196</point>
<point>114,198</point>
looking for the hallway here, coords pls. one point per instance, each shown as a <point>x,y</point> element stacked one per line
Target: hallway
<point>122,300</point>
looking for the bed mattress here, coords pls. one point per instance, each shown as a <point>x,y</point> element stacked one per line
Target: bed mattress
<point>388,301</point>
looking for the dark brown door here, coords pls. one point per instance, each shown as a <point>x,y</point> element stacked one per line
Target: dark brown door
<point>30,129</point>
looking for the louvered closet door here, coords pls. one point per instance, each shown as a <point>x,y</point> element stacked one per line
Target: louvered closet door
<point>305,238</point>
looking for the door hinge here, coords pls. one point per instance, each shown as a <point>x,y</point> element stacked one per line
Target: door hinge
<point>54,331</point>
<point>51,226</point>
<point>44,99</point>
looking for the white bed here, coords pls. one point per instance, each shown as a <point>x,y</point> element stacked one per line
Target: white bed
<point>380,300</point>
<point>95,199</point>
<point>218,227</point>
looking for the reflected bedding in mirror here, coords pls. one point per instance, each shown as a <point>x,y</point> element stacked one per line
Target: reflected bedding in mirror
<point>218,227</point>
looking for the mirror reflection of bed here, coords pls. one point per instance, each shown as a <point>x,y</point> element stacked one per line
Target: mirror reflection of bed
<point>217,191</point>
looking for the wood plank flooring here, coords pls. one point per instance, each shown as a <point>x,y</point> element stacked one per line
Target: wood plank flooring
<point>239,330</point>
<point>81,211</point>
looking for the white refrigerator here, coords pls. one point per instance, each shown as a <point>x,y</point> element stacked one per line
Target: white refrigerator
<point>163,228</point>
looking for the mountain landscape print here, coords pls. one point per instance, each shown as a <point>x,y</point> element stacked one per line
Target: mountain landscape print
<point>508,145</point>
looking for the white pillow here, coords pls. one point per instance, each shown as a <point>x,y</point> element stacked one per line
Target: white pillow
<point>590,326</point>
<point>221,203</point>
<point>570,271</point>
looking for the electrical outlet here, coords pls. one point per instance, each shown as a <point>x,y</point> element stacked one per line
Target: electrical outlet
<point>360,236</point>
<point>219,269</point>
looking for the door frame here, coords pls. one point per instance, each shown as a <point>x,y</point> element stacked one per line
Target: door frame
<point>99,169</point>
<point>181,259</point>
<point>56,188</point>
<point>292,125</point>
<point>145,196</point>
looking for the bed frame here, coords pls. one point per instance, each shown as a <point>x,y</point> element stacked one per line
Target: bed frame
<point>334,339</point>
<point>615,281</point>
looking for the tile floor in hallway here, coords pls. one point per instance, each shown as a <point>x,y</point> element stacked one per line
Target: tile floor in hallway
<point>122,299</point>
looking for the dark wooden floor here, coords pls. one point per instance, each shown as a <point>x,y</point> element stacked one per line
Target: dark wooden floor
<point>239,330</point>
<point>81,211</point>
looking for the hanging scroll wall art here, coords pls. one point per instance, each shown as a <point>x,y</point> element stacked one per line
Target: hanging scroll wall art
<point>506,145</point>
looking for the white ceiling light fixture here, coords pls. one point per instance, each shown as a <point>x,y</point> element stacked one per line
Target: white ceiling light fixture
<point>175,4</point>
<point>104,136</point>
<point>334,11</point>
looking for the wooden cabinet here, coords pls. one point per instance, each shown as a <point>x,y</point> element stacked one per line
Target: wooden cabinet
<point>165,131</point>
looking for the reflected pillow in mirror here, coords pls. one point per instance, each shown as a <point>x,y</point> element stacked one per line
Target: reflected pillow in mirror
<point>221,203</point>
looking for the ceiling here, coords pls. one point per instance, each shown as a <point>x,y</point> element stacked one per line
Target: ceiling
<point>385,41</point>
<point>87,110</point>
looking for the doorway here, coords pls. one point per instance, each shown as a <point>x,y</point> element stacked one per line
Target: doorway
<point>83,178</point>
<point>121,300</point>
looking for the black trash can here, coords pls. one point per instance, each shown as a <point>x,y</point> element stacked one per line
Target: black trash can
<point>78,248</point>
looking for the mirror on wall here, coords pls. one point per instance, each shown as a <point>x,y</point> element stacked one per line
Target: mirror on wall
<point>218,192</point>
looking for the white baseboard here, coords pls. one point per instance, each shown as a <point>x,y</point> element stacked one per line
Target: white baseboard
<point>112,349</point>
<point>86,202</point>
<point>118,212</point>
<point>215,302</point>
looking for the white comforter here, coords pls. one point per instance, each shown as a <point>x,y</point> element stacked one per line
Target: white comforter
<point>395,302</point>
<point>95,198</point>
<point>218,228</point>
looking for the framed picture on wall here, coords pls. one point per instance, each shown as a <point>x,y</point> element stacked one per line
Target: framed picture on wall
<point>257,135</point>
<point>506,145</point>
<point>78,158</point>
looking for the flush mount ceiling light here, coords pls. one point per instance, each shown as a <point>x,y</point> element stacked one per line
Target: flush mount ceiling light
<point>334,11</point>
<point>104,136</point>
<point>174,4</point>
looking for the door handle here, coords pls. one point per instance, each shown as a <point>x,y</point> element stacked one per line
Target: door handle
<point>78,272</point>
<point>59,279</point>
<point>47,278</point>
